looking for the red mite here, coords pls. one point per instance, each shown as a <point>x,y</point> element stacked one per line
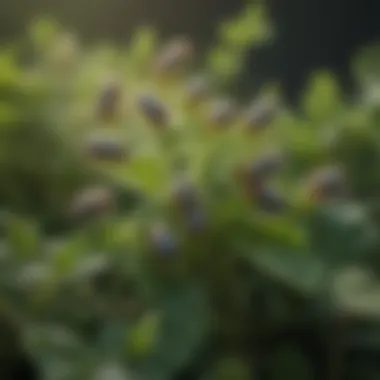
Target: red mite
<point>91,202</point>
<point>163,240</point>
<point>189,204</point>
<point>175,55</point>
<point>245,182</point>
<point>197,220</point>
<point>185,195</point>
<point>260,115</point>
<point>198,89</point>
<point>108,102</point>
<point>327,183</point>
<point>107,148</point>
<point>256,191</point>
<point>223,113</point>
<point>266,166</point>
<point>252,178</point>
<point>153,110</point>
<point>269,200</point>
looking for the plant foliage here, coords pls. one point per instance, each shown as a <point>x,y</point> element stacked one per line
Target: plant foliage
<point>152,225</point>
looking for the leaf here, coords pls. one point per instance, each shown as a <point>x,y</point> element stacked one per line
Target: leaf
<point>280,231</point>
<point>10,73</point>
<point>88,266</point>
<point>224,62</point>
<point>33,275</point>
<point>322,100</point>
<point>304,146</point>
<point>43,32</point>
<point>229,368</point>
<point>54,340</point>
<point>57,369</point>
<point>122,234</point>
<point>250,27</point>
<point>364,339</point>
<point>289,360</point>
<point>365,65</point>
<point>23,237</point>
<point>184,326</point>
<point>341,233</point>
<point>298,271</point>
<point>112,371</point>
<point>111,342</point>
<point>235,37</point>
<point>357,292</point>
<point>66,255</point>
<point>143,335</point>
<point>150,174</point>
<point>143,46</point>
<point>8,115</point>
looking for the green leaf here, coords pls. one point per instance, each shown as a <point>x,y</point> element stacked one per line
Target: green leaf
<point>298,271</point>
<point>112,340</point>
<point>33,275</point>
<point>10,73</point>
<point>230,368</point>
<point>43,32</point>
<point>288,360</point>
<point>184,326</point>
<point>280,231</point>
<point>87,266</point>
<point>23,237</point>
<point>143,335</point>
<point>224,62</point>
<point>341,233</point>
<point>356,292</point>
<point>8,115</point>
<point>143,46</point>
<point>66,255</point>
<point>150,174</point>
<point>250,27</point>
<point>322,100</point>
<point>365,65</point>
<point>122,234</point>
<point>112,371</point>
<point>54,340</point>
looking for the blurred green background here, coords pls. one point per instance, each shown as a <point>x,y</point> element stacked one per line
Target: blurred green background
<point>311,33</point>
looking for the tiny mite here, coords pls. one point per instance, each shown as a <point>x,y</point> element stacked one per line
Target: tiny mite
<point>153,110</point>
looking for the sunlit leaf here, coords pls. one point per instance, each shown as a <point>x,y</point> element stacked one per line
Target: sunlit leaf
<point>323,97</point>
<point>143,335</point>
<point>43,32</point>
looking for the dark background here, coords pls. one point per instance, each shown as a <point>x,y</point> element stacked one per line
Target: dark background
<point>311,33</point>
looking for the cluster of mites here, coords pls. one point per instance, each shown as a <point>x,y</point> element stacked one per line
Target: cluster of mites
<point>252,178</point>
